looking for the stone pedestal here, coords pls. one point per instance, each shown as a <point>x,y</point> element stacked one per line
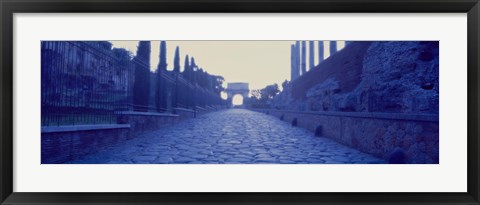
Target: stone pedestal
<point>311,60</point>
<point>304,58</point>
<point>321,54</point>
<point>333,47</point>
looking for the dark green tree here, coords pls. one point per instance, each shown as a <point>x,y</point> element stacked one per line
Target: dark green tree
<point>161,95</point>
<point>122,54</point>
<point>186,68</point>
<point>193,80</point>
<point>210,82</point>
<point>176,72</point>
<point>256,94</point>
<point>176,61</point>
<point>269,92</point>
<point>218,84</point>
<point>193,68</point>
<point>105,45</point>
<point>200,77</point>
<point>141,86</point>
<point>192,63</point>
<point>284,84</point>
<point>162,63</point>
<point>262,98</point>
<point>187,72</point>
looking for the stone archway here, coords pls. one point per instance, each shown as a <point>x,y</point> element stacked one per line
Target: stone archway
<point>237,89</point>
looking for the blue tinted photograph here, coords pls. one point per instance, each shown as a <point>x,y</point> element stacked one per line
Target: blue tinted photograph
<point>240,102</point>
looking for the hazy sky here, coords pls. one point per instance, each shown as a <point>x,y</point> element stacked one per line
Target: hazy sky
<point>260,63</point>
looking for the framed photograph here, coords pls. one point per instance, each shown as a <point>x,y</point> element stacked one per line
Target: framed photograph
<point>263,102</point>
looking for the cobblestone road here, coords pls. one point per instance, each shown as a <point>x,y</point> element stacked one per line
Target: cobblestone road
<point>230,136</point>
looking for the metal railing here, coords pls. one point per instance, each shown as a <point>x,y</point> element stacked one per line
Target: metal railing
<point>85,83</point>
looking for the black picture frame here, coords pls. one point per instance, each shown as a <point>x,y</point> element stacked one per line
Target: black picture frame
<point>10,7</point>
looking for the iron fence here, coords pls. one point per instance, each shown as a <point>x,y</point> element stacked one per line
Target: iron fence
<point>86,83</point>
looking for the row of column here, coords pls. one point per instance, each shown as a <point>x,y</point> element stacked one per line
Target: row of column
<point>299,56</point>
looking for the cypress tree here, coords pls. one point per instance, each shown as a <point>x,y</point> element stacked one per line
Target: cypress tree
<point>176,71</point>
<point>204,79</point>
<point>186,74</point>
<point>186,68</point>
<point>141,86</point>
<point>210,82</point>
<point>201,79</point>
<point>176,61</point>
<point>193,81</point>
<point>161,89</point>
<point>193,67</point>
<point>162,63</point>
<point>192,63</point>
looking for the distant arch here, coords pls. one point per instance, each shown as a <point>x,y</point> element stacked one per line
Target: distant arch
<point>237,99</point>
<point>234,89</point>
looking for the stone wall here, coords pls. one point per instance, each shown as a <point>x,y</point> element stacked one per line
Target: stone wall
<point>65,143</point>
<point>400,77</point>
<point>184,113</point>
<point>201,111</point>
<point>380,76</point>
<point>144,121</point>
<point>61,144</point>
<point>384,135</point>
<point>380,97</point>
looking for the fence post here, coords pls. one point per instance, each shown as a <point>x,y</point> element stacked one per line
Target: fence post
<point>175,93</point>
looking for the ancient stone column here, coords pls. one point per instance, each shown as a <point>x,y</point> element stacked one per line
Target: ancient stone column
<point>311,60</point>
<point>294,68</point>
<point>333,47</point>
<point>304,58</point>
<point>321,55</point>
<point>297,58</point>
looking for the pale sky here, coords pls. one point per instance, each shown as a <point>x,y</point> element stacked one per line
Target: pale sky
<point>260,63</point>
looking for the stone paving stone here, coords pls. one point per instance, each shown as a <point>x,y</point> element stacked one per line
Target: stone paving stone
<point>183,160</point>
<point>150,153</point>
<point>266,161</point>
<point>240,160</point>
<point>144,159</point>
<point>229,136</point>
<point>163,160</point>
<point>264,156</point>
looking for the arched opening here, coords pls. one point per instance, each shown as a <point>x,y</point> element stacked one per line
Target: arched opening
<point>398,156</point>
<point>294,122</point>
<point>237,100</point>
<point>224,95</point>
<point>318,131</point>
